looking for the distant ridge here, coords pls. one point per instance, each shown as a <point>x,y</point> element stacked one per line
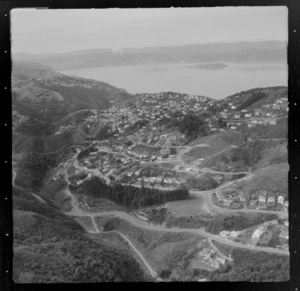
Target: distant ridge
<point>213,52</point>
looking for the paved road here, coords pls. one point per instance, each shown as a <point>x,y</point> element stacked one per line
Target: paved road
<point>133,220</point>
<point>78,212</point>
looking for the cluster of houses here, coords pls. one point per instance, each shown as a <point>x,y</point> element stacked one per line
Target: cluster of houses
<point>68,81</point>
<point>209,259</point>
<point>264,199</point>
<point>261,199</point>
<point>268,114</point>
<point>150,108</point>
<point>17,119</point>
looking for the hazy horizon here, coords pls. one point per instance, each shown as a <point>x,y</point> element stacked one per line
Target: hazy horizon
<point>159,46</point>
<point>42,31</point>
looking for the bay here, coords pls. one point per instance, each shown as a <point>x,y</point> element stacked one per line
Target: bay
<point>185,78</point>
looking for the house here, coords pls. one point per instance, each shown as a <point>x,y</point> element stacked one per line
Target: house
<point>286,205</point>
<point>227,202</point>
<point>242,198</point>
<point>271,201</point>
<point>237,115</point>
<point>280,199</point>
<point>284,234</point>
<point>257,233</point>
<point>248,115</point>
<point>252,204</point>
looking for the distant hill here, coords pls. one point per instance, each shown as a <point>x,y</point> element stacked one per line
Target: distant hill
<point>215,52</point>
<point>38,88</point>
<point>32,70</point>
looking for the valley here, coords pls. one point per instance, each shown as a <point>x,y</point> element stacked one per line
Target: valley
<point>185,186</point>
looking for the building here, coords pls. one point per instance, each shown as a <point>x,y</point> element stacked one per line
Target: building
<point>271,201</point>
<point>286,205</point>
<point>252,204</point>
<point>257,233</point>
<point>280,200</point>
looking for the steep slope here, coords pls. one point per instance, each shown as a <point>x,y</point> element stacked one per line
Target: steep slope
<point>50,247</point>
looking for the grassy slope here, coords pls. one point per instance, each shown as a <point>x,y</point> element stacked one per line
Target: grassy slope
<point>274,177</point>
<point>163,250</point>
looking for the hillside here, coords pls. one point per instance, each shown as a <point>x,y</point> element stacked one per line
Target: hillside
<point>254,98</point>
<point>32,70</point>
<point>50,247</point>
<point>250,156</point>
<point>274,177</point>
<point>41,90</point>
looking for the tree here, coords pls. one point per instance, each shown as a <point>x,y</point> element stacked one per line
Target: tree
<point>221,123</point>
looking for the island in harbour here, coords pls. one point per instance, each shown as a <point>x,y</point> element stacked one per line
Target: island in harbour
<point>209,66</point>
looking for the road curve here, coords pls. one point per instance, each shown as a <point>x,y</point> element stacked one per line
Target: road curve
<point>144,225</point>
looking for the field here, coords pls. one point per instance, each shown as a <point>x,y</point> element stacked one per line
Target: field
<point>192,206</point>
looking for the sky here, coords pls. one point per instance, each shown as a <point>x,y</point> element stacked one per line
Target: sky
<point>43,31</point>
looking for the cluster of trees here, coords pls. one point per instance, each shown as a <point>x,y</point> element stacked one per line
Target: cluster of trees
<point>251,100</point>
<point>45,152</point>
<point>248,154</point>
<point>50,190</point>
<point>237,222</point>
<point>138,124</point>
<point>83,154</point>
<point>193,126</point>
<point>34,126</point>
<point>103,132</point>
<point>202,183</point>
<point>129,196</point>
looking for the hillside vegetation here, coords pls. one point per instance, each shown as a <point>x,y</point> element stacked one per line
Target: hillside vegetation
<point>261,267</point>
<point>50,247</point>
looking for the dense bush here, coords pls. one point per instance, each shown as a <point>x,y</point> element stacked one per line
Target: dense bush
<point>50,190</point>
<point>251,100</point>
<point>193,126</point>
<point>58,250</point>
